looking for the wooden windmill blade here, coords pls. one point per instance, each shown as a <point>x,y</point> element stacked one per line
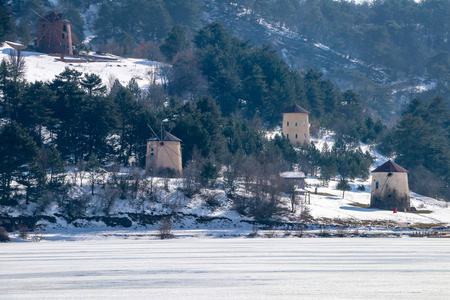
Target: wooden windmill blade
<point>154,132</point>
<point>43,18</point>
<point>173,151</point>
<point>40,16</point>
<point>163,146</point>
<point>170,157</point>
<point>172,138</point>
<point>43,35</point>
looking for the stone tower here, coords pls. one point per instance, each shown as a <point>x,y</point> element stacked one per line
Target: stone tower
<point>164,156</point>
<point>390,187</point>
<point>54,34</point>
<point>296,125</point>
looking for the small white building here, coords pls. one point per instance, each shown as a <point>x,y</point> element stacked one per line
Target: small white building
<point>296,125</point>
<point>294,180</point>
<point>164,156</point>
<point>390,188</point>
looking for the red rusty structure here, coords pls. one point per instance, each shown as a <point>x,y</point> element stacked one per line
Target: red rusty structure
<point>54,35</point>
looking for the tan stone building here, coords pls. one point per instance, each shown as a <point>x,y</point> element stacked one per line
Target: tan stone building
<point>164,156</point>
<point>296,125</point>
<point>390,188</point>
<point>54,34</point>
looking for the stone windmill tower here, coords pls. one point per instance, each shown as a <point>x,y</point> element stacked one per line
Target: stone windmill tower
<point>296,125</point>
<point>390,188</point>
<point>54,34</point>
<point>164,155</point>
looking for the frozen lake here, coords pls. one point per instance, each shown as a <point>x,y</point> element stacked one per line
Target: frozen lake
<point>290,268</point>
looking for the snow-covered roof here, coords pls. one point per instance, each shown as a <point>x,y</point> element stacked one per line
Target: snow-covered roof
<point>293,175</point>
<point>16,46</point>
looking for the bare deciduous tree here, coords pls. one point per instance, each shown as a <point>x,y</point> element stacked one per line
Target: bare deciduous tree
<point>16,65</point>
<point>109,196</point>
<point>165,230</point>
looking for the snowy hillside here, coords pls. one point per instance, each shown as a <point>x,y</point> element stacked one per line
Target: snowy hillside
<point>208,209</point>
<point>211,212</point>
<point>41,66</point>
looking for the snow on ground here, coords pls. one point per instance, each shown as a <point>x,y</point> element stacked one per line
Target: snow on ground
<point>327,204</point>
<point>41,66</point>
<point>336,207</point>
<point>227,269</point>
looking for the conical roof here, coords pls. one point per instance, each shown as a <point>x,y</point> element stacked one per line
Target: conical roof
<point>167,137</point>
<point>296,109</point>
<point>170,137</point>
<point>53,16</point>
<point>389,167</point>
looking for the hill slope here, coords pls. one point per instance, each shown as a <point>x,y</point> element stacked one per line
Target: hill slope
<point>213,209</point>
<point>44,67</point>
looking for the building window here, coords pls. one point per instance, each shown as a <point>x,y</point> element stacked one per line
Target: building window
<point>295,135</point>
<point>304,123</point>
<point>376,185</point>
<point>287,135</point>
<point>295,123</point>
<point>63,35</point>
<point>43,25</point>
<point>64,47</point>
<point>151,151</point>
<point>287,124</point>
<point>304,135</point>
<point>64,27</point>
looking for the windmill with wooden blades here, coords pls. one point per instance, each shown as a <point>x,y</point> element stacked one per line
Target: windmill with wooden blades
<point>54,34</point>
<point>163,154</point>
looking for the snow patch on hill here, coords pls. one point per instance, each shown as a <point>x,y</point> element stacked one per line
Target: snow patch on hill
<point>43,67</point>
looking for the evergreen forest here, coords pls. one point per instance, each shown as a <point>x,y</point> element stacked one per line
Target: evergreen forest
<point>222,93</point>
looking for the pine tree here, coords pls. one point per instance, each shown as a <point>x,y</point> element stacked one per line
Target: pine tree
<point>343,186</point>
<point>175,42</point>
<point>6,23</point>
<point>67,112</point>
<point>51,164</point>
<point>183,12</point>
<point>17,154</point>
<point>92,83</point>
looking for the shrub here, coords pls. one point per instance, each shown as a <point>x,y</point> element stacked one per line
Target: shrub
<point>76,208</point>
<point>305,214</point>
<point>209,173</point>
<point>270,234</point>
<point>254,232</point>
<point>211,201</point>
<point>361,188</point>
<point>23,231</point>
<point>4,237</point>
<point>165,230</point>
<point>240,204</point>
<point>299,229</point>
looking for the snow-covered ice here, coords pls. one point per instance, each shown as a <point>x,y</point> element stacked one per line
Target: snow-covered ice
<point>358,268</point>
